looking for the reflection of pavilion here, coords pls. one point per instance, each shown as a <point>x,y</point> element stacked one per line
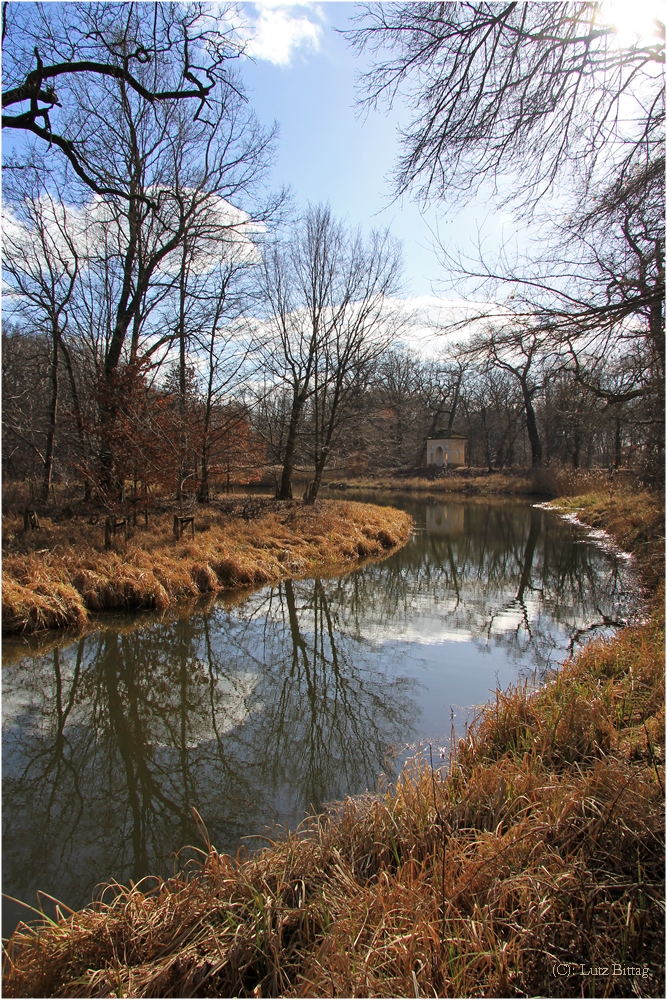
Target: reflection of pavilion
<point>445,518</point>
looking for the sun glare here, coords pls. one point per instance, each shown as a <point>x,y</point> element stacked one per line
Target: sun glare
<point>635,21</point>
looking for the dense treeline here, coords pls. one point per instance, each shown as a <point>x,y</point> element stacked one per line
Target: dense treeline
<point>243,438</point>
<point>168,324</point>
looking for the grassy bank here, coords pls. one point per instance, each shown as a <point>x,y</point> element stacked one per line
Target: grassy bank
<point>545,482</point>
<point>535,857</point>
<point>636,520</point>
<point>56,576</point>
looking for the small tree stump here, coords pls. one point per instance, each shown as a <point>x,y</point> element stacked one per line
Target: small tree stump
<point>180,523</point>
<point>30,519</point>
<point>112,526</point>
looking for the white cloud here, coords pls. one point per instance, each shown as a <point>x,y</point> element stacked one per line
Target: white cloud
<point>433,323</point>
<point>428,325</point>
<point>281,29</point>
<point>95,231</point>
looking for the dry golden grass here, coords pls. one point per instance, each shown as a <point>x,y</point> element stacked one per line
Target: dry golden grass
<point>538,854</point>
<point>484,484</point>
<point>55,576</point>
<point>546,482</point>
<point>541,845</point>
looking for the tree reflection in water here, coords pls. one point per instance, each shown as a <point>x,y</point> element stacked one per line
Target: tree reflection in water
<point>510,576</point>
<point>252,719</point>
<point>254,713</point>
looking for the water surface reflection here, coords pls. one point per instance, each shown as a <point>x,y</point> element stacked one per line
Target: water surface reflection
<point>254,712</point>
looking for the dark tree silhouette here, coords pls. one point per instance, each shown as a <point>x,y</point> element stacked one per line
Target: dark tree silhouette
<point>522,88</point>
<point>51,51</point>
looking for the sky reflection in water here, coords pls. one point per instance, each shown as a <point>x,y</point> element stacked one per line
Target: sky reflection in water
<point>253,712</point>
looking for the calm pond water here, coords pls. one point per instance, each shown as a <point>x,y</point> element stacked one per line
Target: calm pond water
<point>253,711</point>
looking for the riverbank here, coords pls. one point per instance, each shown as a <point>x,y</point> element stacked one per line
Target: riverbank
<point>60,574</point>
<point>635,519</point>
<point>532,864</point>
<point>544,482</point>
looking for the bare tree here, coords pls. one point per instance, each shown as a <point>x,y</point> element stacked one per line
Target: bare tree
<point>354,342</point>
<point>41,264</point>
<point>191,169</point>
<point>525,90</point>
<point>518,350</point>
<point>52,53</point>
<point>397,416</point>
<point>327,293</point>
<point>226,346</point>
<point>210,298</point>
<point>291,345</point>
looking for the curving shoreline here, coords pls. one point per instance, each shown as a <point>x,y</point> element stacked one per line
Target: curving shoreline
<point>56,577</point>
<point>542,845</point>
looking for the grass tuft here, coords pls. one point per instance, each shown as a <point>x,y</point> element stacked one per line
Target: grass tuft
<point>54,577</point>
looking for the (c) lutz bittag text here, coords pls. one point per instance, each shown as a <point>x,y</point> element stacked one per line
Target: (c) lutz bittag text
<point>564,969</point>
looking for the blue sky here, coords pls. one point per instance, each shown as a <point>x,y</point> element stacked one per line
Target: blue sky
<point>302,75</point>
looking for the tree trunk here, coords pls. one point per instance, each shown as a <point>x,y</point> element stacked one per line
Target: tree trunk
<point>531,427</point>
<point>78,416</point>
<point>182,386</point>
<point>204,492</point>
<point>108,479</point>
<point>657,331</point>
<point>455,403</point>
<point>576,447</point>
<point>204,495</point>
<point>322,458</point>
<point>53,413</point>
<point>285,490</point>
<point>617,440</point>
<point>319,471</point>
<point>487,446</point>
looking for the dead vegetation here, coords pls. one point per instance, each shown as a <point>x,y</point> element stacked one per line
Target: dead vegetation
<point>636,519</point>
<point>556,481</point>
<point>535,856</point>
<point>55,576</point>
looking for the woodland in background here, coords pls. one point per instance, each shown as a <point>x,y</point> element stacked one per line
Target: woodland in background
<point>169,325</point>
<point>389,418</point>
